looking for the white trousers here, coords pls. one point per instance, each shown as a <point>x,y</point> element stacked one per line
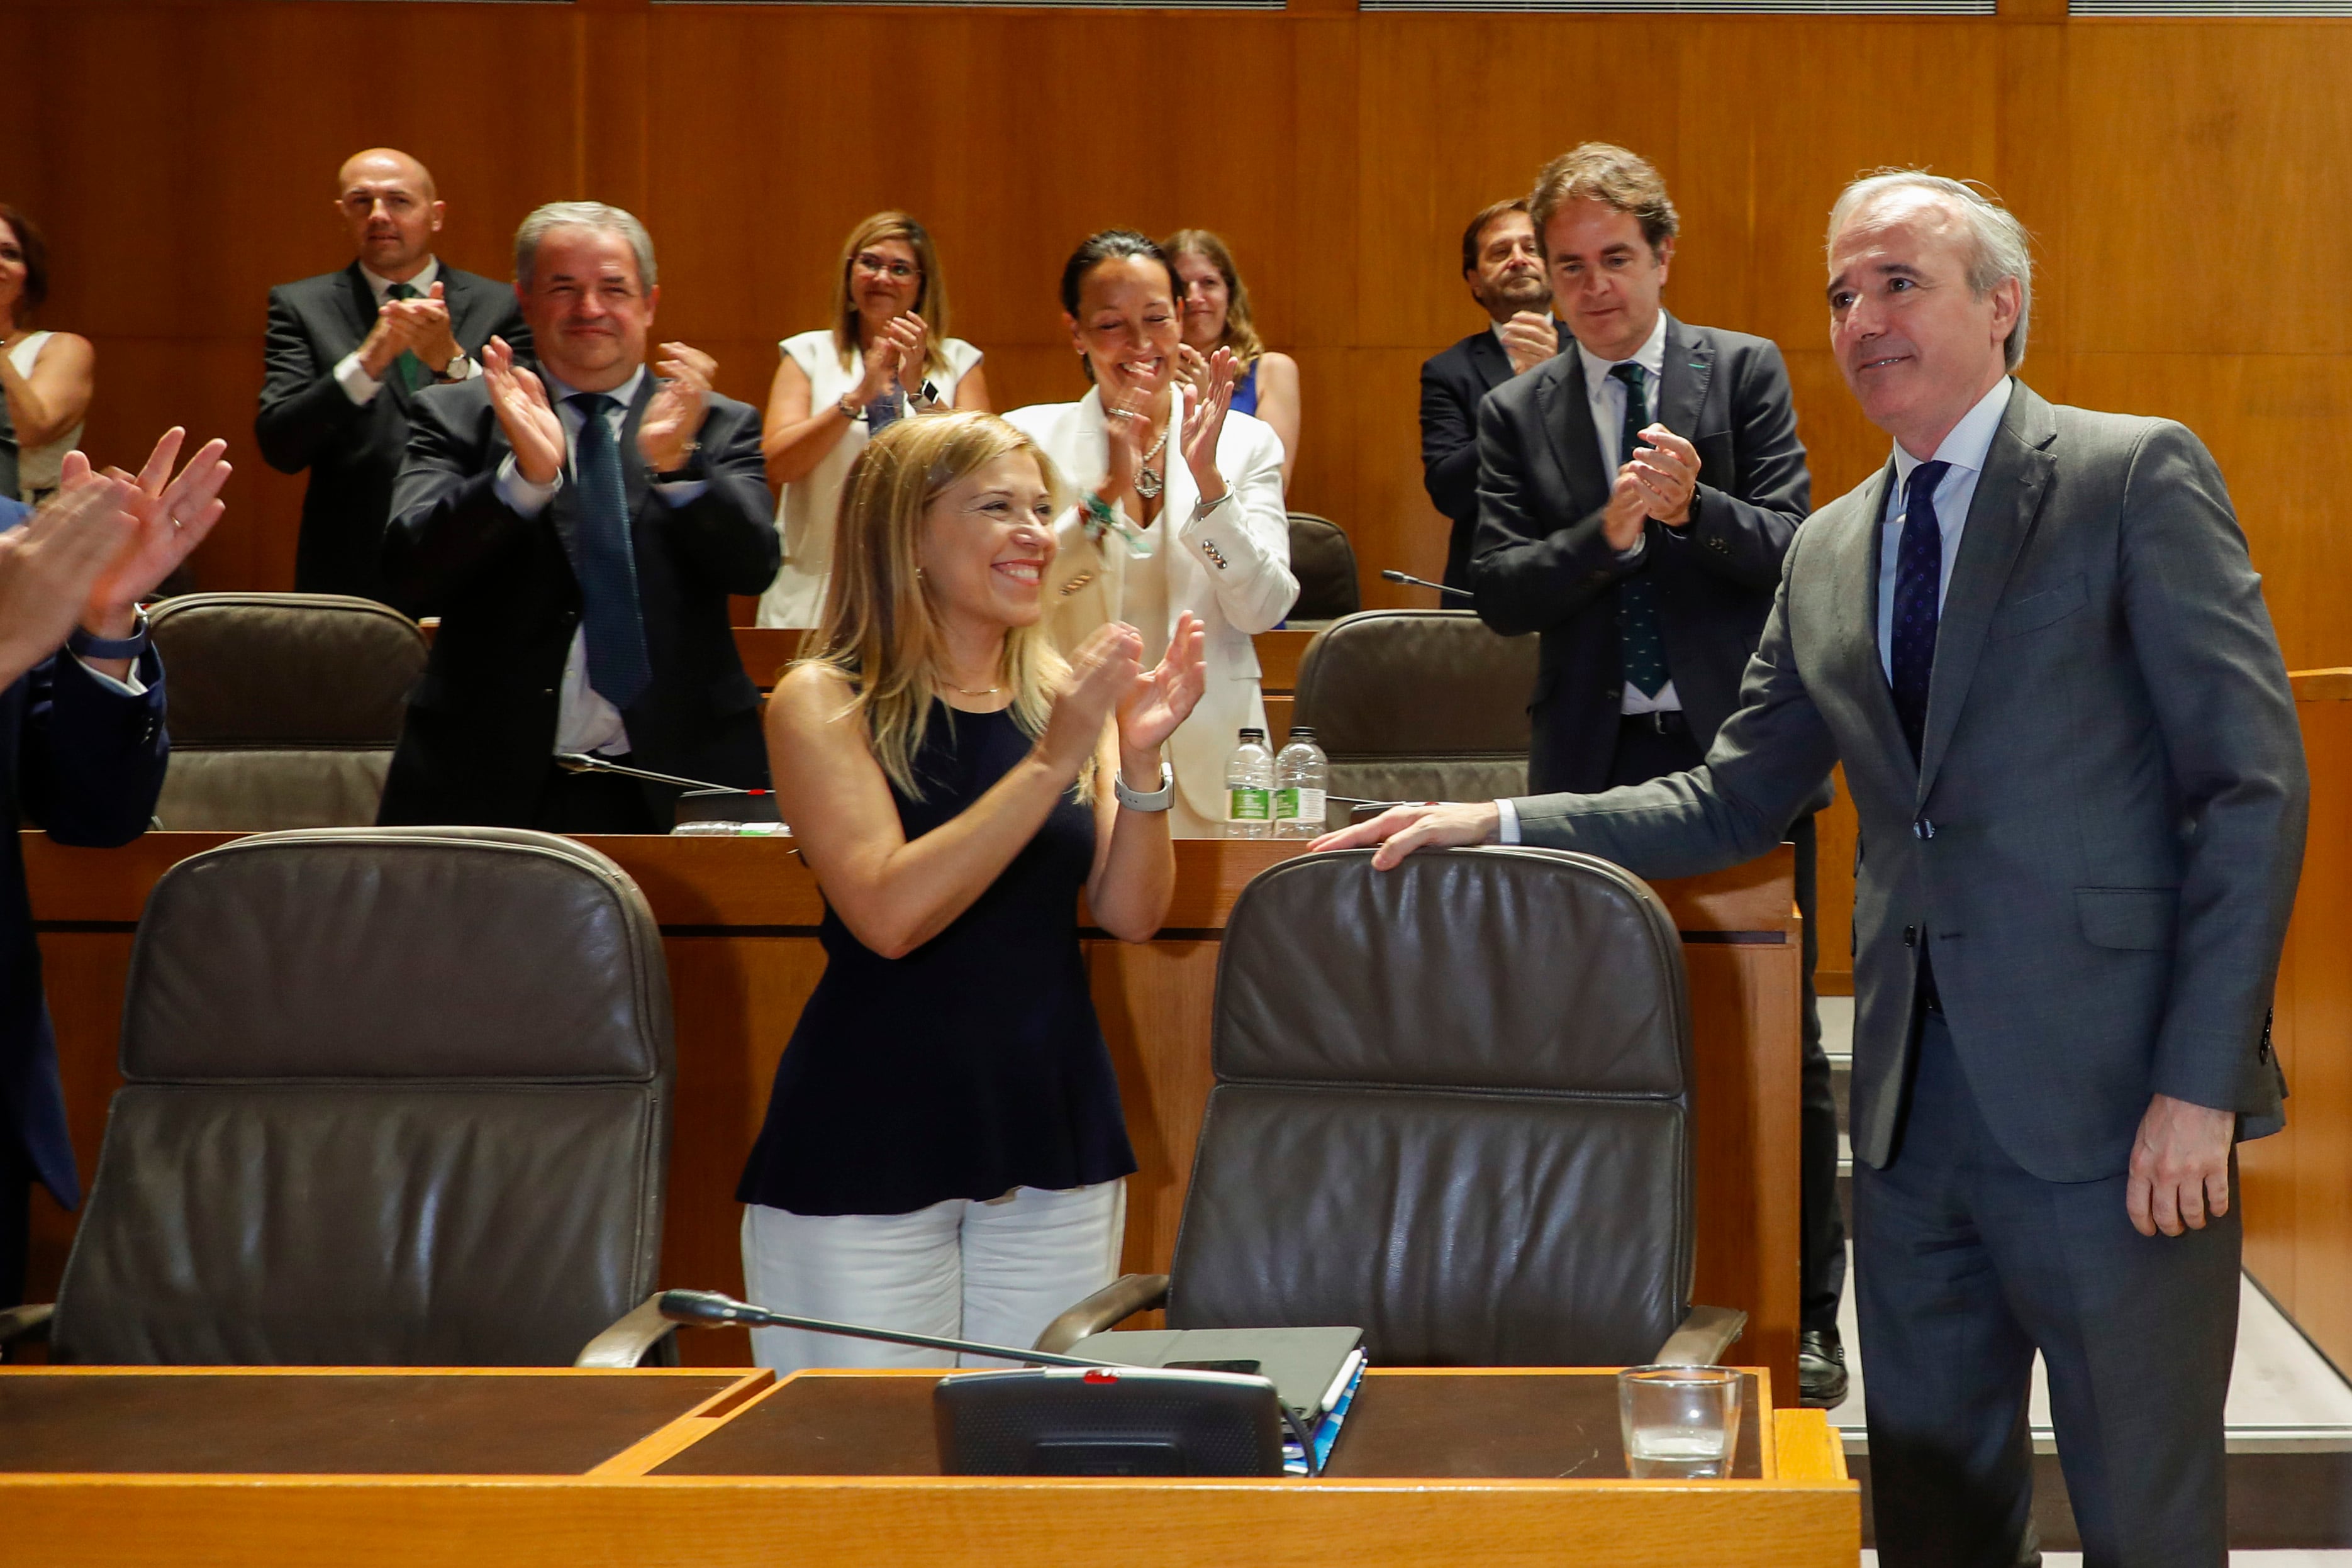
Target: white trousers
<point>997,1271</point>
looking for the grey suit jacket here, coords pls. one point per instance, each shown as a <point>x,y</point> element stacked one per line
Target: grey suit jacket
<point>2101,840</point>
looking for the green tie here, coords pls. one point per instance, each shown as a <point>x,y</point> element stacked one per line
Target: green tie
<point>408,368</point>
<point>1645,642</point>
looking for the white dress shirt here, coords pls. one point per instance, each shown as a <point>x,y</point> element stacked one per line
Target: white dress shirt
<point>584,720</point>
<point>362,387</point>
<point>1963,448</point>
<point>1607,395</point>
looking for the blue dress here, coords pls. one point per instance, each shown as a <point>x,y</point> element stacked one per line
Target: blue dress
<point>974,1064</point>
<point>1245,390</point>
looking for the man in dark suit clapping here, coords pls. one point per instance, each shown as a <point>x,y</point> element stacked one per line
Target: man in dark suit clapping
<point>348,352</point>
<point>578,528</point>
<point>1636,497</point>
<point>1503,265</point>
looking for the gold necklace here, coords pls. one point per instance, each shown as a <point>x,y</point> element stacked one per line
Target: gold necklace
<point>983,692</point>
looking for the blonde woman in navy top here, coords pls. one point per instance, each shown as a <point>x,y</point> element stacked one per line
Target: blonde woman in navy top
<point>944,1151</point>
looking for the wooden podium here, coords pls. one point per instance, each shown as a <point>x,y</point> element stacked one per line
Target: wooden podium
<point>368,1467</point>
<point>740,922</point>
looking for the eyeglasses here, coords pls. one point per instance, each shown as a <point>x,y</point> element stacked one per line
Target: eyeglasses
<point>885,266</point>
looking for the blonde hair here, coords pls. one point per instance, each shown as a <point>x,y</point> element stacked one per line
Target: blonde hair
<point>930,287</point>
<point>880,628</point>
<point>1241,332</point>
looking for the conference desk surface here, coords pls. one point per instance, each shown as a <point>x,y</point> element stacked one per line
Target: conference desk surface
<point>1499,1466</point>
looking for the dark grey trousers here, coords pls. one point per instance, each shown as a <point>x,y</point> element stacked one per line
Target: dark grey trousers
<point>1963,1265</point>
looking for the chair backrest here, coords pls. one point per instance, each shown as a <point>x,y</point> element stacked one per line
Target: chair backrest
<point>394,1096</point>
<point>1451,1108</point>
<point>1418,705</point>
<point>1324,562</point>
<point>284,707</point>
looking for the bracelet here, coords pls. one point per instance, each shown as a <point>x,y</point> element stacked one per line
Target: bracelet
<point>85,645</point>
<point>1159,800</point>
<point>849,411</point>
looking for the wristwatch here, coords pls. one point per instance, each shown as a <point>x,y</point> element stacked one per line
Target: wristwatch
<point>688,469</point>
<point>85,645</point>
<point>455,371</point>
<point>1160,799</point>
<point>849,409</point>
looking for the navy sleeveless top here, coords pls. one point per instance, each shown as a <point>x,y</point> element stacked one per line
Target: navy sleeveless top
<point>972,1065</point>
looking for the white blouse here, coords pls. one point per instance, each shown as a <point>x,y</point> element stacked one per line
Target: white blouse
<point>804,513</point>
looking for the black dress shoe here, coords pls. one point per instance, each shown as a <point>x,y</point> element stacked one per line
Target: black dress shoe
<point>1820,1369</point>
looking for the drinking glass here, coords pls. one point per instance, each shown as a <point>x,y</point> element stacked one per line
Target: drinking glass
<point>1678,1421</point>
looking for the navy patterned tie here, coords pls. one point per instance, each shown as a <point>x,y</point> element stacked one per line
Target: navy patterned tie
<point>408,368</point>
<point>1919,581</point>
<point>1643,643</point>
<point>882,411</point>
<point>607,564</point>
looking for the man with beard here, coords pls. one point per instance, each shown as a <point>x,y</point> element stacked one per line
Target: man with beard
<point>1504,268</point>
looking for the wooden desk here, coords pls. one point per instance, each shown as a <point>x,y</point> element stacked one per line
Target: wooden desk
<point>662,1501</point>
<point>739,919</point>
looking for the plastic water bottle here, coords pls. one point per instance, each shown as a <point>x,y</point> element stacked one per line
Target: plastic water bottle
<point>1249,789</point>
<point>1301,776</point>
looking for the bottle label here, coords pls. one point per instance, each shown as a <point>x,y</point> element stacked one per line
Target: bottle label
<point>1249,805</point>
<point>1295,805</point>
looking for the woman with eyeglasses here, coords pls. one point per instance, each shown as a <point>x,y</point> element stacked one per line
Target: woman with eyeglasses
<point>1217,316</point>
<point>886,355</point>
<point>1179,505</point>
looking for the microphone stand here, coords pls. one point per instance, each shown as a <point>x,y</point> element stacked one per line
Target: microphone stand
<point>581,762</point>
<point>710,1308</point>
<point>1407,578</point>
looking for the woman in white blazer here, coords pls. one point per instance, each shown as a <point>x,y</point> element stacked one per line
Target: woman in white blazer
<point>1179,503</point>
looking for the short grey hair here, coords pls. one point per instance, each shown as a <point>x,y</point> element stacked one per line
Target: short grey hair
<point>1998,248</point>
<point>580,215</point>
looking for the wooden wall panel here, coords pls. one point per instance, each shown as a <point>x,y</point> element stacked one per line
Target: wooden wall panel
<point>2298,1184</point>
<point>186,150</point>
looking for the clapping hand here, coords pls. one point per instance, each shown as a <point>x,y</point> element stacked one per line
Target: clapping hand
<point>419,326</point>
<point>519,399</point>
<point>1155,704</point>
<point>1628,511</point>
<point>50,563</point>
<point>1666,472</point>
<point>894,358</point>
<point>1194,366</point>
<point>429,335</point>
<point>1126,429</point>
<point>674,418</point>
<point>1102,673</point>
<point>1204,422</point>
<point>1529,338</point>
<point>171,515</point>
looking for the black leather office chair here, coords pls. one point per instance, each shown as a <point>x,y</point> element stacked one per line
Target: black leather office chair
<point>1418,705</point>
<point>395,1096</point>
<point>1324,562</point>
<point>285,708</point>
<point>1452,1107</point>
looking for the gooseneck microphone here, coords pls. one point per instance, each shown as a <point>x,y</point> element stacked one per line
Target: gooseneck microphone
<point>1406,577</point>
<point>712,1310</point>
<point>581,762</point>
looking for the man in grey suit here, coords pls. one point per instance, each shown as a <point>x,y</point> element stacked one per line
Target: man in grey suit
<point>2036,642</point>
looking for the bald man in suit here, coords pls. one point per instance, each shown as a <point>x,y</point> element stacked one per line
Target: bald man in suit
<point>347,353</point>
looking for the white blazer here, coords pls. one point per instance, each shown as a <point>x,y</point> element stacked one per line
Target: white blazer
<point>1231,567</point>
